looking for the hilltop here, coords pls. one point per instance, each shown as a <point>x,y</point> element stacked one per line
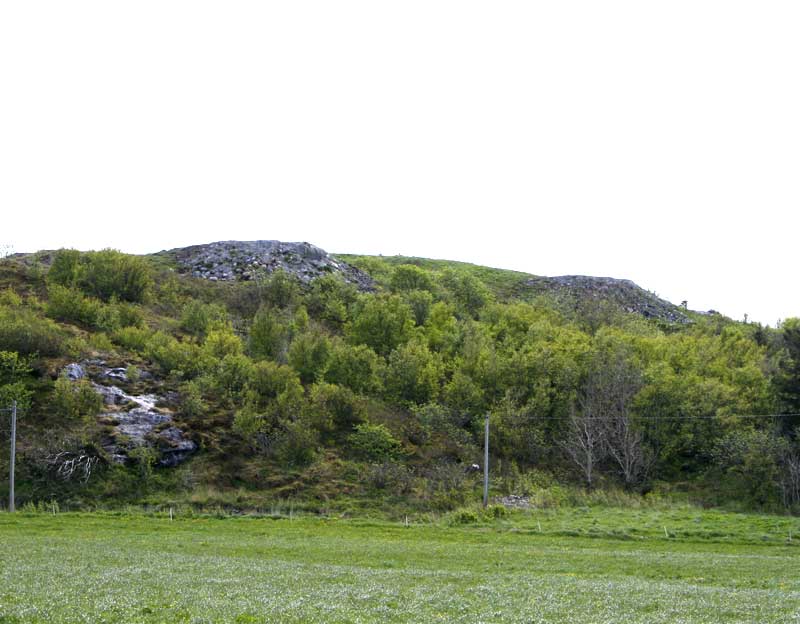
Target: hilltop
<point>243,373</point>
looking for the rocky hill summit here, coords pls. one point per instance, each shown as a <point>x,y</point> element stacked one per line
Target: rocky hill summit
<point>626,295</point>
<point>245,260</point>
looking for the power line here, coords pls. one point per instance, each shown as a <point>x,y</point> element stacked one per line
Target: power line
<point>678,418</point>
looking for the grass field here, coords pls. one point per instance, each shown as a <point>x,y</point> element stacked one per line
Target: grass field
<point>580,565</point>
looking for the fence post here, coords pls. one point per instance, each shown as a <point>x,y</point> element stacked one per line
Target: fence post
<point>13,457</point>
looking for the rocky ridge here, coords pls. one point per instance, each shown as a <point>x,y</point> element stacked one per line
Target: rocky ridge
<point>245,260</point>
<point>573,290</point>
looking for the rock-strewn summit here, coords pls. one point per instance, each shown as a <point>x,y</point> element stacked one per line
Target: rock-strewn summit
<point>620,292</point>
<point>244,260</point>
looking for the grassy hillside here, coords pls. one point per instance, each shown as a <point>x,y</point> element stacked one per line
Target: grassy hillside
<point>247,375</point>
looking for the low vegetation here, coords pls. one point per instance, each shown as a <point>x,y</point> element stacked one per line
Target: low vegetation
<point>580,565</point>
<point>353,399</point>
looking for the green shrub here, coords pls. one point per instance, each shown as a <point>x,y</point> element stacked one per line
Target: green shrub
<point>17,391</point>
<point>463,517</point>
<point>308,355</point>
<point>132,373</point>
<point>295,444</point>
<point>172,355</point>
<point>75,400</point>
<point>269,335</point>
<point>24,332</point>
<point>495,511</point>
<point>10,298</point>
<point>198,318</point>
<point>374,443</point>
<point>409,277</point>
<point>382,322</point>
<point>70,304</point>
<point>132,338</point>
<point>355,366</point>
<point>103,274</point>
<point>335,409</point>
<point>192,404</point>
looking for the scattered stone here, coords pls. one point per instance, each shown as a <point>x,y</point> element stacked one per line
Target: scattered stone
<point>513,501</point>
<point>246,260</point>
<point>117,374</point>
<point>575,290</point>
<point>135,420</point>
<point>74,372</point>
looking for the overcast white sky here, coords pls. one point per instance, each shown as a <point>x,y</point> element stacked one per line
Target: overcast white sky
<point>656,141</point>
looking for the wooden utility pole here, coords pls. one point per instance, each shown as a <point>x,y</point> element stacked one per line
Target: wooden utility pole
<point>13,456</point>
<point>486,463</point>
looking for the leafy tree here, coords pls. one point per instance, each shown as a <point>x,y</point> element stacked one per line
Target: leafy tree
<point>198,318</point>
<point>787,380</point>
<point>355,366</point>
<point>221,342</point>
<point>65,268</point>
<point>308,355</point>
<point>280,289</point>
<point>382,322</point>
<point>269,335</point>
<point>413,374</point>
<point>469,294</point>
<point>407,277</point>
<point>330,299</point>
<point>420,302</point>
<point>334,409</point>
<point>750,465</point>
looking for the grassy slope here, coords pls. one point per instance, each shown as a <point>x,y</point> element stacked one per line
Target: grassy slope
<point>504,283</point>
<point>144,569</point>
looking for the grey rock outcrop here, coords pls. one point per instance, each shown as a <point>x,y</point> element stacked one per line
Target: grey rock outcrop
<point>74,372</point>
<point>574,291</point>
<point>135,420</point>
<point>246,260</point>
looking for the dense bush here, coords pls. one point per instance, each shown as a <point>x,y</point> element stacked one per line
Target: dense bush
<point>374,443</point>
<point>21,330</point>
<point>73,401</point>
<point>103,274</point>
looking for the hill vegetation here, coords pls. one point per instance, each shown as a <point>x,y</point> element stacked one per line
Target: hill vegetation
<point>241,374</point>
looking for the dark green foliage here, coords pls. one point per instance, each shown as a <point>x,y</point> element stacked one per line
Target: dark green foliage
<point>413,374</point>
<point>192,404</point>
<point>409,277</point>
<point>355,366</point>
<point>788,378</point>
<point>330,299</point>
<point>66,268</point>
<point>748,466</point>
<point>308,355</point>
<point>469,294</point>
<point>280,289</point>
<point>269,335</point>
<point>382,322</point>
<point>421,302</point>
<point>335,409</point>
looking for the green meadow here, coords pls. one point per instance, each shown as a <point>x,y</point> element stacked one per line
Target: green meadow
<point>579,565</point>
